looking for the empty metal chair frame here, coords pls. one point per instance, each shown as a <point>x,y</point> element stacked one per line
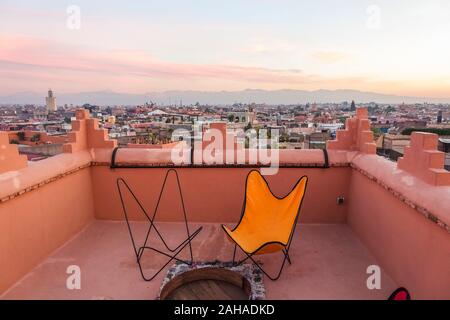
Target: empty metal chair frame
<point>171,253</point>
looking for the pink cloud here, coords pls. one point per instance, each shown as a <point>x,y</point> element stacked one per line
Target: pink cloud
<point>36,64</point>
<point>49,55</point>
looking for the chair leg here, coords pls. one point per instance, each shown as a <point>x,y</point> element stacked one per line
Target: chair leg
<point>287,256</point>
<point>250,256</point>
<point>172,257</point>
<point>269,276</point>
<point>162,268</point>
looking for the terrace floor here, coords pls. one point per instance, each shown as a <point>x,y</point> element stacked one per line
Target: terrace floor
<point>329,262</point>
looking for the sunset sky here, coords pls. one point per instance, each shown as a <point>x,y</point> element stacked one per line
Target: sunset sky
<point>397,47</point>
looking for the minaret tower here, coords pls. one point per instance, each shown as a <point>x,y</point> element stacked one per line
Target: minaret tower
<point>50,101</point>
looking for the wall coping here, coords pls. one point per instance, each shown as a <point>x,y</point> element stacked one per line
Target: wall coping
<point>37,174</point>
<point>149,157</point>
<point>431,201</point>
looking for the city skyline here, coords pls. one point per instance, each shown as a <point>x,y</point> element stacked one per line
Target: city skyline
<point>219,98</point>
<point>375,46</point>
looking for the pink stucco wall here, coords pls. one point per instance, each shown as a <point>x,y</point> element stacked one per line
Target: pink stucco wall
<point>414,250</point>
<point>9,155</point>
<point>35,223</point>
<point>216,194</point>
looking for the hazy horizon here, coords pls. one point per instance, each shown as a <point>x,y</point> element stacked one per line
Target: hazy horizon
<point>393,48</point>
<point>175,97</point>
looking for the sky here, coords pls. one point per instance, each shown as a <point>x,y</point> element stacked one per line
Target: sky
<point>397,47</point>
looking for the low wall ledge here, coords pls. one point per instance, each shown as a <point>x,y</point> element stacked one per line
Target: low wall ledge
<point>426,199</point>
<point>14,183</point>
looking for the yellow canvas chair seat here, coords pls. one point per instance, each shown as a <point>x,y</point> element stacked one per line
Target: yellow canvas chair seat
<point>267,222</point>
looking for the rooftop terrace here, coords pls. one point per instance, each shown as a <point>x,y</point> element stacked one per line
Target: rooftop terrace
<point>65,210</point>
<point>329,263</point>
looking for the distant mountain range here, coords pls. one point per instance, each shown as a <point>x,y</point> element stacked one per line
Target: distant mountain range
<point>215,97</point>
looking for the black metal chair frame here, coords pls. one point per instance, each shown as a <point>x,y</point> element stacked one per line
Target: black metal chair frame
<point>173,252</point>
<point>285,252</point>
<point>286,248</point>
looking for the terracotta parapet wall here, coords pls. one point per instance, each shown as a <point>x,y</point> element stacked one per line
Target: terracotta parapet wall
<point>402,184</point>
<point>10,159</point>
<point>356,136</point>
<point>423,160</point>
<point>86,134</point>
<point>426,199</point>
<point>36,218</point>
<point>404,222</point>
<point>40,173</point>
<point>215,194</point>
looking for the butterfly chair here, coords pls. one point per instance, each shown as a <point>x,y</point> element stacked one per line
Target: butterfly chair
<point>267,222</point>
<point>139,250</point>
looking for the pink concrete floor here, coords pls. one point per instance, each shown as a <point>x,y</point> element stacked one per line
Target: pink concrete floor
<point>329,262</point>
